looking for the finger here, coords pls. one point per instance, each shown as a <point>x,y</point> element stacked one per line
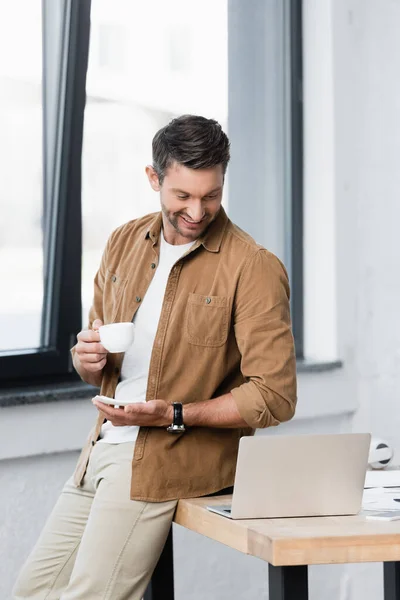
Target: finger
<point>109,411</point>
<point>114,415</point>
<point>92,358</point>
<point>136,408</point>
<point>130,408</point>
<point>97,323</point>
<point>87,335</point>
<point>90,348</point>
<point>105,408</point>
<point>94,367</point>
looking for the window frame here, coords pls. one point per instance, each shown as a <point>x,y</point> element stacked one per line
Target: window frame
<point>62,246</point>
<point>296,174</point>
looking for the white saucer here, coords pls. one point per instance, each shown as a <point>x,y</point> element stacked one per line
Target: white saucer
<point>112,401</point>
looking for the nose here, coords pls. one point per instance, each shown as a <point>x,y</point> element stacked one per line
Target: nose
<point>195,211</point>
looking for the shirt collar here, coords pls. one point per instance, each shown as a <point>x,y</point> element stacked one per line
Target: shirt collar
<point>154,229</point>
<point>213,237</point>
<point>211,240</point>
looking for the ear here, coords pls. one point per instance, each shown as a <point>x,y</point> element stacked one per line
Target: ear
<point>153,178</point>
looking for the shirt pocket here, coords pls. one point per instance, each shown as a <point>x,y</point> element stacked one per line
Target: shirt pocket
<point>113,292</point>
<point>207,320</point>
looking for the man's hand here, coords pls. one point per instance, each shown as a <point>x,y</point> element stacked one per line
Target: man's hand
<point>92,355</point>
<point>154,413</point>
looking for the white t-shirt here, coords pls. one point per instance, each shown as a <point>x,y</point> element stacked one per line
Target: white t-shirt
<point>136,362</point>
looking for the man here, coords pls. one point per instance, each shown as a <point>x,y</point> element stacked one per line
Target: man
<point>213,344</point>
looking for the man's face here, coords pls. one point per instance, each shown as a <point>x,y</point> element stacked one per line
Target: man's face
<point>190,200</point>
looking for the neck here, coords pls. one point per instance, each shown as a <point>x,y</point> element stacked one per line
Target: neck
<point>173,237</point>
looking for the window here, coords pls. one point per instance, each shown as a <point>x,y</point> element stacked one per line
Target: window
<point>41,111</point>
<point>21,223</point>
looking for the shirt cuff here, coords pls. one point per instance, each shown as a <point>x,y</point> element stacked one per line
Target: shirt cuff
<point>252,407</point>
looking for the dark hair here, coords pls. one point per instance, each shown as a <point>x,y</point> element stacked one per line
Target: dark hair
<point>192,141</point>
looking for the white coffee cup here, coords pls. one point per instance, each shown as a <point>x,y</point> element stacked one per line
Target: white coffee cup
<point>117,337</point>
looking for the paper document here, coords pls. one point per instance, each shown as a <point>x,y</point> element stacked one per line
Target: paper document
<point>378,499</point>
<point>382,478</point>
<point>387,515</point>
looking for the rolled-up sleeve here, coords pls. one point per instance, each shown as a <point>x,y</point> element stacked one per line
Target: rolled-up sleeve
<point>265,341</point>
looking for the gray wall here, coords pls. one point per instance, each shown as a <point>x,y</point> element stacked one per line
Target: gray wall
<point>29,488</point>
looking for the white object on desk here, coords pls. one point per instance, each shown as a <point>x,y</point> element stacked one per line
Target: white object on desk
<point>379,499</point>
<point>385,478</point>
<point>380,454</point>
<point>384,516</point>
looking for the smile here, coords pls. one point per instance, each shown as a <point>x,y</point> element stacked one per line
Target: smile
<point>192,223</point>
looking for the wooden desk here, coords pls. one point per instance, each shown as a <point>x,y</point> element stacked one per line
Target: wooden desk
<point>289,546</point>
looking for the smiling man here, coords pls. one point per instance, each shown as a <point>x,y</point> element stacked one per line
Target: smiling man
<point>188,212</point>
<point>212,359</point>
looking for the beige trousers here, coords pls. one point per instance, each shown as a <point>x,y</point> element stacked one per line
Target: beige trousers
<point>97,543</point>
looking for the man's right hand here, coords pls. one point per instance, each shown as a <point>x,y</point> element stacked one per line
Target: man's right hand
<point>90,352</point>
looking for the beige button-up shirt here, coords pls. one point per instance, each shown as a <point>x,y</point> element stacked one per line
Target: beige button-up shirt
<point>224,327</point>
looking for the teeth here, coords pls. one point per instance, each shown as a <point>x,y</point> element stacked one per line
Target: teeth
<point>191,222</point>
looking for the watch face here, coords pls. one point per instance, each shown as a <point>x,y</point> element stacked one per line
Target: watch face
<point>176,428</point>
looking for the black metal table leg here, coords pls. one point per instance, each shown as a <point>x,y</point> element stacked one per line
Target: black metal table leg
<point>161,586</point>
<point>288,583</point>
<point>391,580</point>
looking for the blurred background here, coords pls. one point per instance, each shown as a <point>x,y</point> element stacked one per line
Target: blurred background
<point>148,63</point>
<point>309,94</point>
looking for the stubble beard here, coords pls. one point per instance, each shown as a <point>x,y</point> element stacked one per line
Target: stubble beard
<point>173,218</point>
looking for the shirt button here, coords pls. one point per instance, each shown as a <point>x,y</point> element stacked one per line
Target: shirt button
<point>208,300</point>
<point>153,265</point>
<point>113,279</point>
<point>138,299</point>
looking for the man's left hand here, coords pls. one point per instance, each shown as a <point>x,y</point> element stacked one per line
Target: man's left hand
<point>154,413</point>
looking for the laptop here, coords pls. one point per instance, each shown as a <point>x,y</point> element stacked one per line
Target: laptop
<point>298,476</point>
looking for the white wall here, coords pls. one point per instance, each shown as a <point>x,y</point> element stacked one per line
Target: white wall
<point>357,42</point>
<point>355,162</point>
<point>370,127</point>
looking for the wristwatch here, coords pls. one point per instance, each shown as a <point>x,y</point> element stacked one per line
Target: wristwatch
<point>177,425</point>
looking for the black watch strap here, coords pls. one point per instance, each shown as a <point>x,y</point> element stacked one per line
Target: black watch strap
<point>177,425</point>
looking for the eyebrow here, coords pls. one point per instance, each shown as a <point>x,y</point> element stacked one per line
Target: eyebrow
<point>178,191</point>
